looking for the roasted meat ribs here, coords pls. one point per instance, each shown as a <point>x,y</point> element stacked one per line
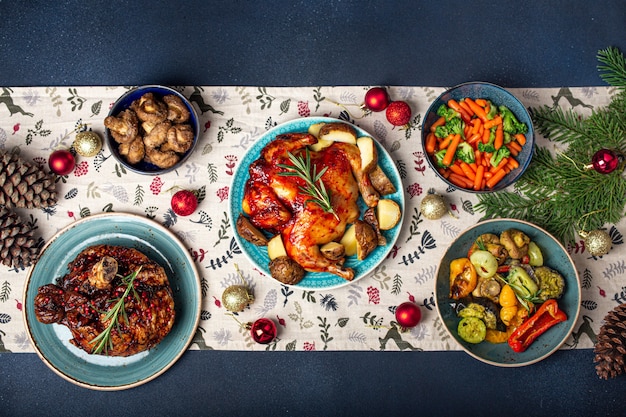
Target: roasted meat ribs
<point>81,299</point>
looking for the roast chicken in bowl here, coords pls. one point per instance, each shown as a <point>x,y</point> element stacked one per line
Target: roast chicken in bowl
<point>319,203</point>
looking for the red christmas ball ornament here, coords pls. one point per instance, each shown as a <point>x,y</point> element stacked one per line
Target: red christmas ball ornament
<point>408,314</point>
<point>184,202</point>
<point>398,113</point>
<point>61,162</point>
<point>263,331</point>
<point>376,99</point>
<point>605,161</point>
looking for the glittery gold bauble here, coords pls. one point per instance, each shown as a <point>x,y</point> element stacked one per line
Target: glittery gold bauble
<point>433,207</point>
<point>236,297</point>
<point>87,144</point>
<point>597,242</point>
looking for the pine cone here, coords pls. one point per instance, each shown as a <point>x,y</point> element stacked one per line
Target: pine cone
<point>25,185</point>
<point>610,348</point>
<point>18,248</point>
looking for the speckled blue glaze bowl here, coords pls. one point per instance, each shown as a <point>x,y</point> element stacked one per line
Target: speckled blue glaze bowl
<point>555,256</point>
<point>98,372</point>
<point>498,96</point>
<point>257,255</point>
<point>124,103</point>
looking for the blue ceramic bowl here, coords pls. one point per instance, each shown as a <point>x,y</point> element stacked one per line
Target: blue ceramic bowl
<point>124,102</point>
<point>98,372</point>
<point>257,255</point>
<point>498,96</point>
<point>555,256</point>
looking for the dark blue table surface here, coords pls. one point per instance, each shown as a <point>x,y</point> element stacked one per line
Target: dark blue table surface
<point>301,43</point>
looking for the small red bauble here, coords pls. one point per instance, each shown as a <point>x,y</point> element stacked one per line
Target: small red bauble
<point>398,113</point>
<point>263,331</point>
<point>61,162</point>
<point>184,202</point>
<point>408,314</point>
<point>376,99</point>
<point>605,161</point>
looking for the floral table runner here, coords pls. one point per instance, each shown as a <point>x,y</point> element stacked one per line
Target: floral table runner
<point>39,120</point>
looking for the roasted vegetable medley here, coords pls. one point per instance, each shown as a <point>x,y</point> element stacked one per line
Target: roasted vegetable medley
<point>503,292</point>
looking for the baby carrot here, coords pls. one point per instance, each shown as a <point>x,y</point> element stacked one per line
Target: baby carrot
<point>516,145</point>
<point>444,172</point>
<point>456,169</point>
<point>467,108</point>
<point>439,122</point>
<point>478,178</point>
<point>446,142</point>
<point>454,105</point>
<point>431,141</point>
<point>478,111</point>
<point>497,176</point>
<point>478,156</point>
<point>481,102</point>
<point>460,180</point>
<point>521,139</point>
<point>512,149</point>
<point>474,138</point>
<point>501,165</point>
<point>491,123</point>
<point>512,164</point>
<point>467,170</point>
<point>449,156</point>
<point>499,140</point>
<point>486,134</point>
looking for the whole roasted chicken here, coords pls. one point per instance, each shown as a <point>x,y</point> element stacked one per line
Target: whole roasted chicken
<point>115,301</point>
<point>275,201</point>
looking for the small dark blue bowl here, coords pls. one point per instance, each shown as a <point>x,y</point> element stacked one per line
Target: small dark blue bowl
<point>124,103</point>
<point>498,96</point>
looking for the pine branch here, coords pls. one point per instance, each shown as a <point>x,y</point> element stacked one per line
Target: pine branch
<point>612,66</point>
<point>558,125</point>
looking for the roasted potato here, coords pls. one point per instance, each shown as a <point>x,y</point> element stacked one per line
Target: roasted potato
<point>286,270</point>
<point>276,248</point>
<point>338,132</point>
<point>366,239</point>
<point>370,218</point>
<point>333,251</point>
<point>381,182</point>
<point>388,214</point>
<point>250,232</point>
<point>369,154</point>
<point>349,241</point>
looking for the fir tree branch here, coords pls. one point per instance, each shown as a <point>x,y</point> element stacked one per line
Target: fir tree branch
<point>612,66</point>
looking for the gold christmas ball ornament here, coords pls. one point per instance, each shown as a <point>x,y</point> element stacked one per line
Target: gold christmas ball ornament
<point>236,297</point>
<point>433,207</point>
<point>87,144</point>
<point>597,242</point>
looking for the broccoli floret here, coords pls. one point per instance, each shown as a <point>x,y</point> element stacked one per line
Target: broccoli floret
<point>455,126</point>
<point>498,155</point>
<point>439,158</point>
<point>493,110</point>
<point>465,152</point>
<point>447,112</point>
<point>488,147</point>
<point>510,124</point>
<point>442,131</point>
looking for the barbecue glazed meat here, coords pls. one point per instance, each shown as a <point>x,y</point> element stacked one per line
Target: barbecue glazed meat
<point>275,202</point>
<point>81,299</point>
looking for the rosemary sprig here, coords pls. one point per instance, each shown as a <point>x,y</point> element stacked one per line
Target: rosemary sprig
<point>103,340</point>
<point>315,189</point>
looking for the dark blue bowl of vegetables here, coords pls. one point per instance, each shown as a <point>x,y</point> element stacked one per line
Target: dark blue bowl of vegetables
<point>542,282</point>
<point>474,125</point>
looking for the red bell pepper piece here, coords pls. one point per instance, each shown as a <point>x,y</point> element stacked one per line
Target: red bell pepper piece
<point>547,315</point>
